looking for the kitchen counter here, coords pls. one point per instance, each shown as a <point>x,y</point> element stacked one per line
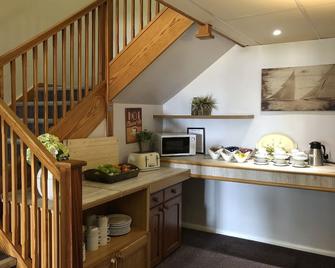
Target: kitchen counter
<point>315,178</point>
<point>95,193</point>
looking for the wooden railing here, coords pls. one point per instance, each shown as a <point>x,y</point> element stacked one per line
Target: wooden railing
<point>44,232</point>
<point>68,59</point>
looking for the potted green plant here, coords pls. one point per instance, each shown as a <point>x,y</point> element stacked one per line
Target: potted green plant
<point>203,105</point>
<point>144,140</point>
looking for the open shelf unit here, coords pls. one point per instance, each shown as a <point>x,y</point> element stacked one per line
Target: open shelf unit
<point>184,116</point>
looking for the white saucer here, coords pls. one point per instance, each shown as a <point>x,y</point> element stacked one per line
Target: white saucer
<point>280,164</point>
<point>261,163</point>
<point>300,166</point>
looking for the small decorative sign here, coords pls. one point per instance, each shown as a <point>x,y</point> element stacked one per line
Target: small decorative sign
<point>133,123</point>
<point>199,132</point>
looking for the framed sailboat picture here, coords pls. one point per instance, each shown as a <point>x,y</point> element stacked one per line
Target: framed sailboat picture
<point>308,88</point>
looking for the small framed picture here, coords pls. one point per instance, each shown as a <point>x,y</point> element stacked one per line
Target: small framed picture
<point>200,134</point>
<point>133,123</point>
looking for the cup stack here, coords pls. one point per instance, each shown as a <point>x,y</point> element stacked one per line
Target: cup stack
<point>92,238</point>
<point>103,224</point>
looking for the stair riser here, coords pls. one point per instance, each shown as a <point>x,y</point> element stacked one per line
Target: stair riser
<point>31,111</point>
<point>59,95</point>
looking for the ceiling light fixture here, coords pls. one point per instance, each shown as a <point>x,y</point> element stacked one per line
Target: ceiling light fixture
<point>277,32</point>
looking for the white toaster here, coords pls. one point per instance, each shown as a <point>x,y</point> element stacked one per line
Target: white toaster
<point>145,161</point>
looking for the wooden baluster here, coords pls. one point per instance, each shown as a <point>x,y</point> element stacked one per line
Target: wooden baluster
<point>14,222</point>
<point>35,82</point>
<point>117,27</point>
<point>44,218</point>
<point>46,86</point>
<point>55,224</point>
<point>132,19</point>
<point>125,17</point>
<point>24,185</point>
<point>110,15</point>
<point>5,212</point>
<point>25,88</point>
<point>87,21</point>
<point>79,59</point>
<point>100,42</point>
<point>1,83</point>
<point>55,78</point>
<point>72,66</point>
<point>13,84</point>
<point>141,15</point>
<point>148,11</point>
<point>64,105</point>
<point>71,213</point>
<point>157,7</point>
<point>33,216</point>
<point>93,49</point>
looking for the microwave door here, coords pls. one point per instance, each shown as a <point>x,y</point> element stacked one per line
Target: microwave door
<point>176,146</point>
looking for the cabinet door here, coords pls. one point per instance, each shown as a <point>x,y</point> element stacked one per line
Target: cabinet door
<point>134,255</point>
<point>156,234</point>
<point>108,262</point>
<point>172,225</point>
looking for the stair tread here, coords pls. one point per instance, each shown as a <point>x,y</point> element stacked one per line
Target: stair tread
<point>7,261</point>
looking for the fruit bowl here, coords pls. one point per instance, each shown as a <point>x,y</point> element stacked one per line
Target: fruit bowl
<point>227,155</point>
<point>215,152</point>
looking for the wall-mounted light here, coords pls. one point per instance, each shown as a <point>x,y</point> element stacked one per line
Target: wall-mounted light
<point>277,32</point>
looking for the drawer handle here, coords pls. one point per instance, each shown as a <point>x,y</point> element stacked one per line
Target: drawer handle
<point>155,199</point>
<point>174,191</point>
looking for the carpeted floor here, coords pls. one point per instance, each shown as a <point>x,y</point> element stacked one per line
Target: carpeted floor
<point>205,250</point>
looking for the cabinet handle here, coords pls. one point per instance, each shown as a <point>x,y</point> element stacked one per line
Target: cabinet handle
<point>174,191</point>
<point>155,199</point>
<point>114,262</point>
<point>161,209</point>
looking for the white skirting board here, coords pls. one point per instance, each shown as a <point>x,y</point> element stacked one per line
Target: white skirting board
<point>258,239</point>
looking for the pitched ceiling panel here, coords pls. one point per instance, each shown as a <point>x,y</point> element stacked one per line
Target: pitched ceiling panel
<point>323,18</point>
<point>227,10</point>
<point>292,23</point>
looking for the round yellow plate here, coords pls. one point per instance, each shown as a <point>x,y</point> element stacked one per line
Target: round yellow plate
<point>277,140</point>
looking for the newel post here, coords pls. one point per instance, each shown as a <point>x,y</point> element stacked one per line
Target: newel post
<point>71,249</point>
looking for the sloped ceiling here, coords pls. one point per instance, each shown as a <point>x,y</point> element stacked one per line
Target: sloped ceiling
<point>174,69</point>
<point>252,22</point>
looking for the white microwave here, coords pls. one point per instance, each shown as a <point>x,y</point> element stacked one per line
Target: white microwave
<point>175,144</point>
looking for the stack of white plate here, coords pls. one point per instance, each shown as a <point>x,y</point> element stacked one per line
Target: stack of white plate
<point>118,224</point>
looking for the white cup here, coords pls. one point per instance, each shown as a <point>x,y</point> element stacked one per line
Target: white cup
<point>102,236</point>
<point>103,221</point>
<point>92,238</point>
<point>91,220</point>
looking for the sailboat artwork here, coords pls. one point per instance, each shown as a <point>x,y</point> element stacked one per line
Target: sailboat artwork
<point>308,88</point>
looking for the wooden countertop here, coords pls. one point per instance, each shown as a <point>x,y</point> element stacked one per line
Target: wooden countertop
<point>199,160</point>
<point>95,193</point>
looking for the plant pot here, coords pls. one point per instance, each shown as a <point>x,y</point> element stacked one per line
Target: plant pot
<point>50,184</point>
<point>145,147</point>
<point>205,110</point>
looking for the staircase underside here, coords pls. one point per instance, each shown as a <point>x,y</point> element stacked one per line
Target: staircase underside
<point>149,45</point>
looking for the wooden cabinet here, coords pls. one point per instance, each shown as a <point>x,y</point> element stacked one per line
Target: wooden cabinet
<point>165,222</point>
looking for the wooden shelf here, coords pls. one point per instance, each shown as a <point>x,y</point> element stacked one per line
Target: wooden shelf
<point>117,243</point>
<point>184,116</point>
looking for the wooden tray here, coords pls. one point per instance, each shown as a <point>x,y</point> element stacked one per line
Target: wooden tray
<point>98,176</point>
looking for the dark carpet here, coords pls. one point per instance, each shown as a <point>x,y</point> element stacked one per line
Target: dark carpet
<point>205,250</point>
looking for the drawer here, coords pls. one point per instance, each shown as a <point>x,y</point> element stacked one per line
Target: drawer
<point>156,199</point>
<point>172,191</point>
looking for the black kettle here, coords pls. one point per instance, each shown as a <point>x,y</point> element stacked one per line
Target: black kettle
<point>317,154</point>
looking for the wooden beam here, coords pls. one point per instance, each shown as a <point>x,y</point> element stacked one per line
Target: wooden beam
<point>143,50</point>
<point>84,118</point>
<point>204,31</point>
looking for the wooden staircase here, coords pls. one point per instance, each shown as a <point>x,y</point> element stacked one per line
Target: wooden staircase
<point>83,63</point>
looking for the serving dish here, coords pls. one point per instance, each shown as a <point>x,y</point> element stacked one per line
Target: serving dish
<point>99,176</point>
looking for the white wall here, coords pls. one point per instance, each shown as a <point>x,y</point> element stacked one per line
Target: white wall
<point>147,123</point>
<point>293,218</point>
